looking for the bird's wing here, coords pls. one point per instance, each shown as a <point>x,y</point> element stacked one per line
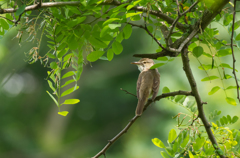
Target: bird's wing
<point>139,84</point>
<point>156,83</point>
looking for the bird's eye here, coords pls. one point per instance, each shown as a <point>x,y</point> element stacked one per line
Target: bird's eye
<point>144,62</point>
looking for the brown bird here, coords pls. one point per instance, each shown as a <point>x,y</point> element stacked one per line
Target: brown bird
<point>147,83</point>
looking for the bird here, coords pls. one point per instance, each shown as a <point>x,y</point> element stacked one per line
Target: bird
<point>147,84</point>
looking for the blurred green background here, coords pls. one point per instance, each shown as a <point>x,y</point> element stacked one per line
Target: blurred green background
<point>31,128</point>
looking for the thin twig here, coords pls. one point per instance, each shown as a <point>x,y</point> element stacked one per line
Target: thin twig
<point>146,29</point>
<point>128,92</point>
<point>233,56</point>
<point>125,129</point>
<point>176,20</point>
<point>201,114</point>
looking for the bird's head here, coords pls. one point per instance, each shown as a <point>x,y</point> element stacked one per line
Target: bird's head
<point>144,64</point>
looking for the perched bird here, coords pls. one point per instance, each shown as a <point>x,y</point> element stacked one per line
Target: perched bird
<point>147,83</point>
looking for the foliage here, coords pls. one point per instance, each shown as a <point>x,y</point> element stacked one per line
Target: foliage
<point>86,31</point>
<point>192,139</point>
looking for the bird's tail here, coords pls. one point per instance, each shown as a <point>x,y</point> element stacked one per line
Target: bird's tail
<point>140,107</point>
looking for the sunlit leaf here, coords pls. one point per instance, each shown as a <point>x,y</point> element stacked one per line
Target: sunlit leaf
<point>132,14</point>
<point>68,82</point>
<point>158,143</point>
<point>172,135</point>
<point>70,90</point>
<point>68,74</point>
<point>71,101</point>
<point>165,90</point>
<point>109,21</point>
<point>113,26</point>
<point>209,78</point>
<point>63,113</point>
<point>214,90</point>
<point>231,101</point>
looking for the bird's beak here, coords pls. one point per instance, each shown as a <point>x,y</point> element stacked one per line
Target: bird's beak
<point>136,63</point>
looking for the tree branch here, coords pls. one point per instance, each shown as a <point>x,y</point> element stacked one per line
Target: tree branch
<point>233,56</point>
<point>40,5</point>
<point>201,114</point>
<point>146,29</point>
<point>125,129</point>
<point>202,23</point>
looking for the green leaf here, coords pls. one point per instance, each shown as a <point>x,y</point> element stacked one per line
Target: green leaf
<point>197,51</point>
<point>97,42</point>
<point>104,31</point>
<point>119,37</point>
<point>63,113</point>
<point>231,101</point>
<point>132,14</point>
<point>72,42</point>
<point>79,71</point>
<point>209,78</point>
<point>53,98</point>
<point>4,24</point>
<point>162,58</point>
<point>234,119</point>
<point>67,83</point>
<point>206,67</point>
<point>185,142</point>
<point>109,21</point>
<point>132,5</point>
<point>20,10</point>
<point>158,143</point>
<point>95,55</point>
<point>110,54</point>
<point>71,101</point>
<point>190,154</point>
<point>50,55</point>
<point>237,37</point>
<point>117,47</point>
<point>81,19</point>
<point>231,87</point>
<point>214,90</point>
<point>68,74</point>
<point>53,65</point>
<point>157,65</point>
<point>222,53</point>
<point>165,90</point>
<point>62,53</point>
<point>127,30</point>
<point>164,154</point>
<point>199,143</point>
<point>227,66</point>
<point>178,98</point>
<point>51,86</point>
<point>70,90</point>
<point>172,136</point>
<point>114,26</point>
